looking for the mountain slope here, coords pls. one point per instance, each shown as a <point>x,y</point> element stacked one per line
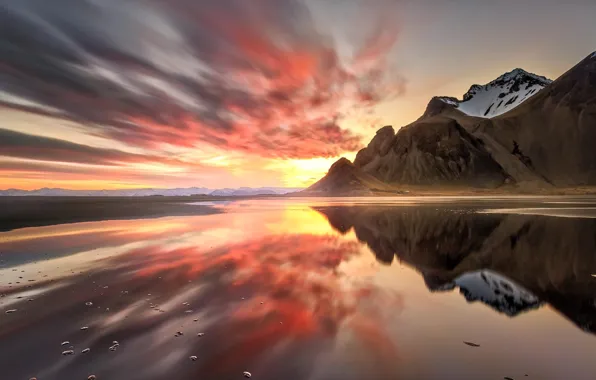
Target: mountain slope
<point>555,130</point>
<point>432,150</point>
<point>344,178</point>
<point>501,95</point>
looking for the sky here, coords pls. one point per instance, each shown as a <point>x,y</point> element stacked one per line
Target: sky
<point>109,94</point>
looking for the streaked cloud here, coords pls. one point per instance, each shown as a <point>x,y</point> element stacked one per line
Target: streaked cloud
<point>260,77</point>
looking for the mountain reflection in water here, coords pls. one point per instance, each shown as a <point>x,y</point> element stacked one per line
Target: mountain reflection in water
<point>292,291</point>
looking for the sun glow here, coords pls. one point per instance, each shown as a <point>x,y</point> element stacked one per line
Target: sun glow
<point>305,172</point>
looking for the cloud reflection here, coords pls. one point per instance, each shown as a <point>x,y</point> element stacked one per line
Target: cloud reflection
<point>280,296</point>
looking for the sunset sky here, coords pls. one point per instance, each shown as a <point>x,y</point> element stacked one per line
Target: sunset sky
<point>105,94</point>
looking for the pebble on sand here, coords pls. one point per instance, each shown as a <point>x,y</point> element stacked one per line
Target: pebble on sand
<point>472,344</point>
<point>65,343</point>
<point>68,352</point>
<point>179,333</point>
<point>92,377</point>
<point>85,350</point>
<point>200,334</point>
<point>247,374</point>
<point>11,311</point>
<point>193,358</point>
<point>84,328</point>
<point>88,303</point>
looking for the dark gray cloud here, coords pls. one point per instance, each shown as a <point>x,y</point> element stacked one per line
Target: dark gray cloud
<point>252,76</point>
<point>21,145</point>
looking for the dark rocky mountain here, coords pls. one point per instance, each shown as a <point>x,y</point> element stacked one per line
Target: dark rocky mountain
<point>512,263</point>
<point>555,129</point>
<point>544,141</point>
<point>344,178</point>
<point>434,150</point>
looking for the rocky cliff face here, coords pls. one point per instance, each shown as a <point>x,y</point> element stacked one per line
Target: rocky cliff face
<point>433,150</point>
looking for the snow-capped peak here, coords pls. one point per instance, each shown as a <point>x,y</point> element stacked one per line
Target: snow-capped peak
<point>496,290</point>
<point>501,95</point>
<point>520,74</point>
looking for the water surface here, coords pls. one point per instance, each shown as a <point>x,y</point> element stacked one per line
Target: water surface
<point>343,288</point>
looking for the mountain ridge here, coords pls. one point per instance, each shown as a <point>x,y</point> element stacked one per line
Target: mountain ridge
<point>542,141</point>
<point>499,95</point>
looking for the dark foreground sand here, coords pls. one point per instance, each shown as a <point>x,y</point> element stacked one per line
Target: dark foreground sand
<point>19,212</point>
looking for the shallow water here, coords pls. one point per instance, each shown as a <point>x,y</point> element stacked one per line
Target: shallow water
<point>308,289</point>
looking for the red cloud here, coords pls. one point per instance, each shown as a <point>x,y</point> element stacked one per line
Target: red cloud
<point>270,82</point>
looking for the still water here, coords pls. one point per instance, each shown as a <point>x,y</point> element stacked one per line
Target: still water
<point>307,289</point>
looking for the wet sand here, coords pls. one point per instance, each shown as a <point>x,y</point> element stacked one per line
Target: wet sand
<point>19,212</point>
<point>409,288</point>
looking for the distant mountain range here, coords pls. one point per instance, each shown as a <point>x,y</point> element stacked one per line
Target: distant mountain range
<point>520,131</point>
<point>229,192</point>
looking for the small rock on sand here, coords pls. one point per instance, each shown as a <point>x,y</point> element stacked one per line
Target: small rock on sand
<point>472,344</point>
<point>193,358</point>
<point>68,352</point>
<point>247,374</point>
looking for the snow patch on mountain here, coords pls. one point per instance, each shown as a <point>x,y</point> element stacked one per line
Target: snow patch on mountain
<point>501,95</point>
<point>497,291</point>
